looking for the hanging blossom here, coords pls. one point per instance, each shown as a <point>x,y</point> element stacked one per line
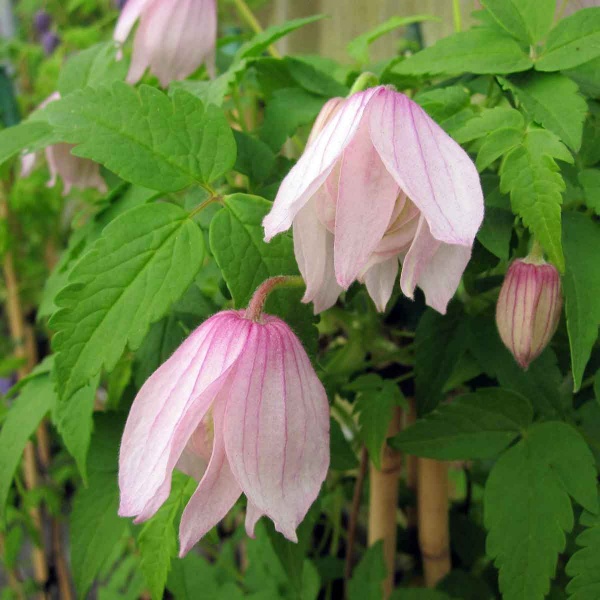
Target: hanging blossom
<point>239,407</point>
<point>529,307</point>
<point>74,171</point>
<point>379,184</point>
<point>173,39</point>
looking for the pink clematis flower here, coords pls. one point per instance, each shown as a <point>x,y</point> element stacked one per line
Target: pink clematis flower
<point>174,37</point>
<point>380,183</point>
<point>239,407</point>
<point>74,171</point>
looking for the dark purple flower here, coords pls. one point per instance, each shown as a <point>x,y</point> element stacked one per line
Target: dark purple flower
<point>50,41</point>
<point>42,21</point>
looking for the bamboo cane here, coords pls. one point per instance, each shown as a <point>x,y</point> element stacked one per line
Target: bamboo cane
<point>383,502</point>
<point>434,535</point>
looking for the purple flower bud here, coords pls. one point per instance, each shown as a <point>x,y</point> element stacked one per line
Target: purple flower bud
<point>528,309</point>
<point>5,384</point>
<point>42,21</point>
<point>50,42</point>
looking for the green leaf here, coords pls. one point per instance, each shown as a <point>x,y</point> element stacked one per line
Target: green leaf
<point>236,241</point>
<point>95,527</point>
<point>590,181</point>
<point>146,137</point>
<point>495,145</point>
<point>20,137</point>
<point>450,107</point>
<point>418,594</point>
<point>489,120</point>
<point>35,399</point>
<point>260,42</point>
<point>477,425</point>
<point>73,419</point>
<point>93,67</point>
<point>144,261</point>
<point>313,80</point>
<point>553,101</point>
<point>288,109</point>
<point>528,20</point>
<point>480,50</point>
<point>376,401</point>
<point>527,508</point>
<point>192,578</point>
<point>368,576</point>
<point>342,455</point>
<point>540,384</point>
<point>587,77</point>
<point>254,158</point>
<point>157,541</point>
<point>358,48</point>
<point>496,231</point>
<point>439,344</point>
<point>574,41</point>
<point>584,566</point>
<point>581,284</point>
<point>532,177</point>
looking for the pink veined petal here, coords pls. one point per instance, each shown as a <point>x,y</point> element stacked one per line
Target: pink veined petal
<point>441,276</point>
<point>253,515</point>
<point>140,56</point>
<point>380,279</point>
<point>422,249</point>
<point>170,406</point>
<point>74,171</point>
<point>277,402</point>
<point>28,164</point>
<point>429,166</point>
<point>315,165</point>
<point>196,455</point>
<point>129,15</point>
<point>313,248</point>
<point>215,494</point>
<point>177,39</point>
<point>365,202</point>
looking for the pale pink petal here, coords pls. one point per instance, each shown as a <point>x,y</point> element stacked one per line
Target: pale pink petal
<point>441,276</point>
<point>170,406</point>
<point>276,426</point>
<point>366,198</point>
<point>129,15</point>
<point>429,166</point>
<point>315,165</point>
<point>253,515</point>
<point>28,164</point>
<point>329,109</point>
<point>74,171</point>
<point>196,455</point>
<point>313,248</point>
<point>216,493</point>
<point>380,279</point>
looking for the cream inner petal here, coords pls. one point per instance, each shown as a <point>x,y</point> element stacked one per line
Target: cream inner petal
<point>401,230</point>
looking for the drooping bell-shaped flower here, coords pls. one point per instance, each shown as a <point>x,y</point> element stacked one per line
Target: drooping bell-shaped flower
<point>528,308</point>
<point>173,39</point>
<point>239,407</point>
<point>380,184</point>
<point>74,171</point>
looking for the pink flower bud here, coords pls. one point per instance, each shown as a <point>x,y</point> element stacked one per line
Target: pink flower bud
<point>379,184</point>
<point>74,171</point>
<point>528,309</point>
<point>173,39</point>
<point>239,407</point>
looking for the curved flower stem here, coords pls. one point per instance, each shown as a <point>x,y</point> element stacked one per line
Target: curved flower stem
<point>383,502</point>
<point>257,302</point>
<point>248,17</point>
<point>364,81</point>
<point>358,490</point>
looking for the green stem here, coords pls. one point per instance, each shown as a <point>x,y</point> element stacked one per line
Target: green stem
<point>257,302</point>
<point>536,254</point>
<point>363,81</point>
<point>248,17</point>
<point>214,198</point>
<point>457,15</point>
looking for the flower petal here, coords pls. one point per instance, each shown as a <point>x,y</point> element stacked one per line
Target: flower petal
<point>277,426</point>
<point>170,406</point>
<point>313,248</point>
<point>429,166</point>
<point>315,165</point>
<point>129,15</point>
<point>380,279</point>
<point>197,452</point>
<point>216,493</point>
<point>365,202</point>
<point>253,515</point>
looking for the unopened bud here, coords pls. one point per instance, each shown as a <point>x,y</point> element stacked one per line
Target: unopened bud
<point>50,42</point>
<point>42,21</point>
<point>528,309</point>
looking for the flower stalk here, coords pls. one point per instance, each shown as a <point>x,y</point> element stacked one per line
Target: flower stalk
<point>257,302</point>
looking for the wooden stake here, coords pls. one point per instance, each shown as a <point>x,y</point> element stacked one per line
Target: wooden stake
<point>383,502</point>
<point>411,469</point>
<point>434,535</point>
